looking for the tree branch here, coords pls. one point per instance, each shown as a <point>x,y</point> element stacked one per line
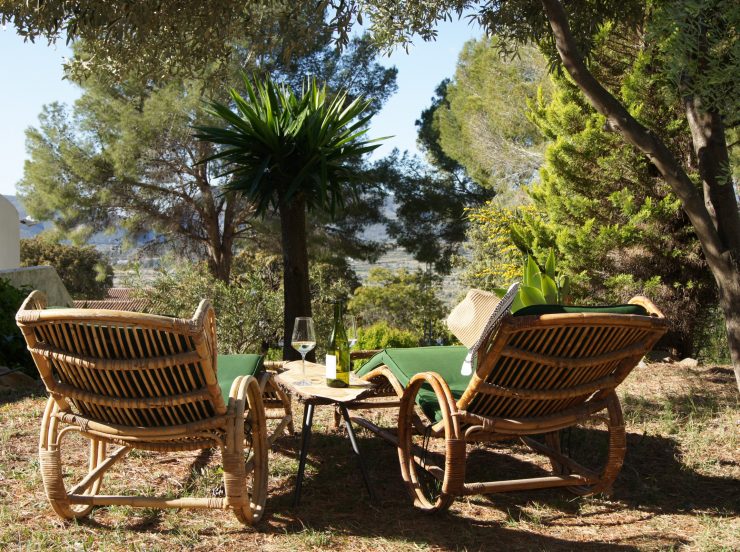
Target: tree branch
<point>634,133</point>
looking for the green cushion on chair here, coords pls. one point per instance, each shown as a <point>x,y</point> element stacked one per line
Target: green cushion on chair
<point>404,363</point>
<point>231,367</point>
<point>571,309</point>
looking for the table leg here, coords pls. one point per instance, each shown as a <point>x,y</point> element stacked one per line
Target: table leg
<point>356,448</point>
<point>305,438</point>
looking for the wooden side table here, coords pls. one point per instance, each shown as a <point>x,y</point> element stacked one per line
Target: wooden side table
<point>320,394</point>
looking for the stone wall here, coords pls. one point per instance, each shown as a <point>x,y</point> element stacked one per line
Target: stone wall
<point>43,278</point>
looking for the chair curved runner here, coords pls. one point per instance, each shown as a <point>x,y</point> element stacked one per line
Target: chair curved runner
<point>537,375</point>
<point>145,382</point>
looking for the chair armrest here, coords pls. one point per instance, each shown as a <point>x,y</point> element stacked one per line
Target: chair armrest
<point>647,304</point>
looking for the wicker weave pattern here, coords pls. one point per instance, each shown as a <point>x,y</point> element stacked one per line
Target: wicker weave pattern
<point>145,382</point>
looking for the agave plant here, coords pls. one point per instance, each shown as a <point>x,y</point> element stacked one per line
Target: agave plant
<point>290,153</point>
<point>540,287</point>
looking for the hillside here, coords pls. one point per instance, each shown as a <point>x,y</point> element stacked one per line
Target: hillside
<point>394,259</point>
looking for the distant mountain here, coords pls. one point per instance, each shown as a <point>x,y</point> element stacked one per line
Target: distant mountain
<point>103,242</point>
<point>27,230</point>
<point>394,259</point>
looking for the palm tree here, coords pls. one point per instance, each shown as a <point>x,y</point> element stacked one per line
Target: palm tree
<point>290,154</point>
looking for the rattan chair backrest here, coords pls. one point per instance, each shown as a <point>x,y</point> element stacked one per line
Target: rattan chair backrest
<point>541,365</point>
<point>125,368</point>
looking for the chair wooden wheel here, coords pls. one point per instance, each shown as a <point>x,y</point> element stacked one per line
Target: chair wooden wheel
<point>430,475</point>
<point>246,449</point>
<point>51,456</point>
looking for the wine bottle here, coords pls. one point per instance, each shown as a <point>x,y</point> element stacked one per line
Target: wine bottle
<point>337,353</point>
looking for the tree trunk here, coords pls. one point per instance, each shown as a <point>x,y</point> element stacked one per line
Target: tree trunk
<point>296,291</point>
<point>716,230</point>
<point>710,145</point>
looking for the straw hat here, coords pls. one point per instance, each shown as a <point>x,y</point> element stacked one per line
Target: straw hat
<point>468,320</point>
<point>475,318</point>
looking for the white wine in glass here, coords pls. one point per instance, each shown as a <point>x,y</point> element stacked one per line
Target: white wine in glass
<point>303,341</point>
<point>350,325</point>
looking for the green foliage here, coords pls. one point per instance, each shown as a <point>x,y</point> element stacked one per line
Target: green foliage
<point>482,121</point>
<point>405,300</point>
<point>124,159</point>
<point>168,38</point>
<point>249,309</point>
<point>13,351</point>
<point>381,335</point>
<point>695,44</point>
<point>278,146</point>
<point>540,286</point>
<point>85,271</point>
<point>430,218</point>
<point>617,229</point>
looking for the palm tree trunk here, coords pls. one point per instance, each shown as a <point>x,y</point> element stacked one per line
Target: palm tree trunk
<point>296,291</point>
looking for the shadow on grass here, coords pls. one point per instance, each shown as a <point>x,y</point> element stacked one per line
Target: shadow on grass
<point>652,482</point>
<point>335,504</point>
<point>8,396</point>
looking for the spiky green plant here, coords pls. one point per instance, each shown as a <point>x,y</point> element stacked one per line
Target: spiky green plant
<point>290,153</point>
<point>540,287</point>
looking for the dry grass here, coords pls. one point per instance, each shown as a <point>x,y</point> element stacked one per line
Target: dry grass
<point>679,489</point>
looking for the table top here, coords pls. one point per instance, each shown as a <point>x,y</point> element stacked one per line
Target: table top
<point>316,374</point>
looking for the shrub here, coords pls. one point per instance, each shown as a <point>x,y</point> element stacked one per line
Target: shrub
<point>249,309</point>
<point>381,335</point>
<point>85,271</point>
<point>406,300</point>
<point>13,351</point>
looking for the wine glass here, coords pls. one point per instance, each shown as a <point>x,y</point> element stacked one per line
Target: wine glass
<point>303,341</point>
<point>350,325</point>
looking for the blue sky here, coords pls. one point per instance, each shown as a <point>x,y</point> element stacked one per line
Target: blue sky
<point>32,77</point>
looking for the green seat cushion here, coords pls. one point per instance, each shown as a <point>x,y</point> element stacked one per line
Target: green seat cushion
<point>231,367</point>
<point>405,363</point>
<point>533,310</point>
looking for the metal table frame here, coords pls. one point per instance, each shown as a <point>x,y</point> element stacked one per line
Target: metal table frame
<point>310,402</point>
<point>308,409</point>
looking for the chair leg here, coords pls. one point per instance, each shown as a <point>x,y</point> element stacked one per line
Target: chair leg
<point>433,478</point>
<point>248,429</point>
<point>617,446</point>
<point>270,391</point>
<point>51,460</point>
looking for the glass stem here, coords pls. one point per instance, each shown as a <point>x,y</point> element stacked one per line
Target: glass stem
<point>303,365</point>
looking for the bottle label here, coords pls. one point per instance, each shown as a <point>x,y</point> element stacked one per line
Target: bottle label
<point>331,367</point>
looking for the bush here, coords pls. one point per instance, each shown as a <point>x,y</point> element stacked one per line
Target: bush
<point>406,300</point>
<point>381,335</point>
<point>13,351</point>
<point>85,271</point>
<point>249,309</point>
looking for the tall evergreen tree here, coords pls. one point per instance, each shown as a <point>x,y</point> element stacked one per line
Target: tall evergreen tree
<point>693,47</point>
<point>125,158</point>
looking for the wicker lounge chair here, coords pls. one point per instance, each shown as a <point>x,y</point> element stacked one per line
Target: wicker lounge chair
<point>147,382</point>
<point>537,375</point>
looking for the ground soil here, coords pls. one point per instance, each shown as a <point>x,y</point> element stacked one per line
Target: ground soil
<point>679,488</point>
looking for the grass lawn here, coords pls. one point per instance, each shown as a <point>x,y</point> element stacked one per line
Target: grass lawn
<point>679,488</point>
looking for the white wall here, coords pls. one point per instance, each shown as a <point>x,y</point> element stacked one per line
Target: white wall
<point>10,235</point>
